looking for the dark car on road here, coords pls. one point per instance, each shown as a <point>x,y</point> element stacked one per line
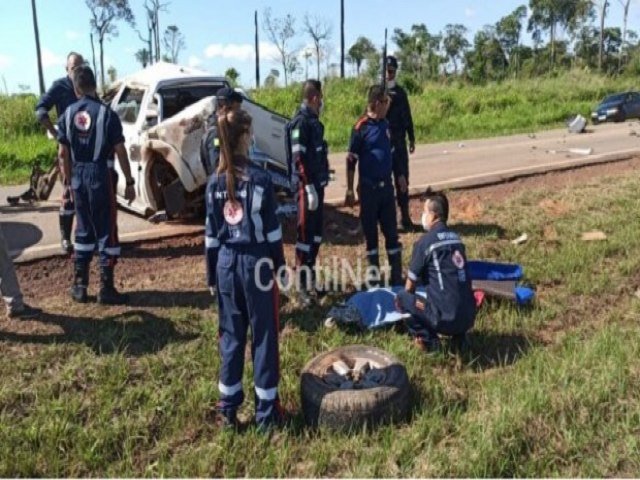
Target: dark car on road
<point>617,108</point>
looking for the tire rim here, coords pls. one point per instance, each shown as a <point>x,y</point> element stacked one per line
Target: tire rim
<point>355,373</point>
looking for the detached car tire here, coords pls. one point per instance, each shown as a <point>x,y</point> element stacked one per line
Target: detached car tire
<point>382,397</point>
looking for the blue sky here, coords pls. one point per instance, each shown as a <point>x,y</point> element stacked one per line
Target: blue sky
<point>219,34</point>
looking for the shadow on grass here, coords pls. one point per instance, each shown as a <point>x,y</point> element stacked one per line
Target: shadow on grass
<point>478,229</point>
<point>491,350</point>
<point>133,333</point>
<point>201,300</point>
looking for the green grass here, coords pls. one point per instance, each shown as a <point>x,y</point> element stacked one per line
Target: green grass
<point>441,112</point>
<point>460,111</point>
<point>553,390</point>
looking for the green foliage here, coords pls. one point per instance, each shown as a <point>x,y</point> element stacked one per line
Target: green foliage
<point>458,110</point>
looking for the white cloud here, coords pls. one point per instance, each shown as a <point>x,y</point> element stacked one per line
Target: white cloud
<point>194,61</point>
<point>240,51</point>
<point>50,59</point>
<point>469,12</point>
<point>5,61</point>
<point>71,35</point>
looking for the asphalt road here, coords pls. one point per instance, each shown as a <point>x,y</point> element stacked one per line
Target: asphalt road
<point>32,231</point>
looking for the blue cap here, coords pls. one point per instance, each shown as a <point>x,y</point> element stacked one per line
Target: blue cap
<point>228,95</point>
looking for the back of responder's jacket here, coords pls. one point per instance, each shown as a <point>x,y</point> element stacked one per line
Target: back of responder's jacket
<point>309,154</point>
<point>250,224</point>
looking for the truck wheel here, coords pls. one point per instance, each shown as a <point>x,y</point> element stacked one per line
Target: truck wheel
<point>354,386</point>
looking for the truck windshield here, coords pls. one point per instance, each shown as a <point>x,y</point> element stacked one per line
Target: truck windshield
<point>176,98</point>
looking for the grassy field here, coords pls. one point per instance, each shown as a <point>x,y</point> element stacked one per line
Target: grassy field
<point>553,390</point>
<point>441,112</point>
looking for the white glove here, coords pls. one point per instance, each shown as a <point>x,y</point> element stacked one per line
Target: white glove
<point>312,197</point>
<point>213,292</point>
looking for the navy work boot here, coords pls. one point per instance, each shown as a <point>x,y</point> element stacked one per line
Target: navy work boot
<point>108,295</point>
<point>66,226</point>
<point>80,282</point>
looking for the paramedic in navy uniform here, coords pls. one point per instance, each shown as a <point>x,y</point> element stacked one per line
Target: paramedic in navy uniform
<point>60,95</point>
<point>310,160</point>
<point>370,149</point>
<point>439,262</point>
<point>88,133</point>
<point>243,242</point>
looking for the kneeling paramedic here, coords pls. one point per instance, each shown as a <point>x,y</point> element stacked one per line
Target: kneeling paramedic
<point>310,166</point>
<point>244,248</point>
<point>88,133</point>
<point>439,262</point>
<point>370,149</point>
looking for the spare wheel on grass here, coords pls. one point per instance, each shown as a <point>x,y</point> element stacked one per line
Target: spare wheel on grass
<point>353,386</point>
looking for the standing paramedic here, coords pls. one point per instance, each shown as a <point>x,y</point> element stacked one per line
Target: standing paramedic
<point>88,133</point>
<point>370,149</point>
<point>309,153</point>
<point>226,99</point>
<point>243,242</point>
<point>439,261</point>
<point>60,95</point>
<point>401,126</point>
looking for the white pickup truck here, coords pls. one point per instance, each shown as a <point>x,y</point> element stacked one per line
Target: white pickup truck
<point>163,110</point>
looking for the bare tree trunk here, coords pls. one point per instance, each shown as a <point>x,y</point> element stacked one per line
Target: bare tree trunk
<point>603,14</point>
<point>101,45</point>
<point>157,22</point>
<point>318,61</point>
<point>626,5</point>
<point>257,51</point>
<point>284,68</point>
<point>36,33</point>
<point>93,54</point>
<point>341,38</point>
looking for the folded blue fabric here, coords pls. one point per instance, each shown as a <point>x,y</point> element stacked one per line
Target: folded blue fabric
<point>523,295</point>
<point>481,270</point>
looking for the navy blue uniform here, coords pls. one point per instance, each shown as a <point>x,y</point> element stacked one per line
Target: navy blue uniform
<point>91,130</point>
<point>401,125</point>
<point>243,247</point>
<point>310,158</point>
<point>60,95</point>
<point>370,149</point>
<point>440,262</point>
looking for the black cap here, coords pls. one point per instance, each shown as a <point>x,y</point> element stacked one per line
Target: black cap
<point>392,62</point>
<point>228,95</point>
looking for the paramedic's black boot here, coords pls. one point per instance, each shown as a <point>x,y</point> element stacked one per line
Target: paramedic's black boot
<point>305,287</point>
<point>395,262</point>
<point>108,295</point>
<point>66,225</point>
<point>80,282</point>
<point>372,274</point>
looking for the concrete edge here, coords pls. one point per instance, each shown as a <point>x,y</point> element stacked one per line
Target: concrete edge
<point>47,251</point>
<point>502,176</point>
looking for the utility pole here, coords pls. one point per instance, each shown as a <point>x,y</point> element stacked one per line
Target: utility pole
<point>37,35</point>
<point>341,38</point>
<point>255,21</point>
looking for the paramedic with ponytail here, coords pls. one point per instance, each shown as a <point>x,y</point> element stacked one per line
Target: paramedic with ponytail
<point>243,242</point>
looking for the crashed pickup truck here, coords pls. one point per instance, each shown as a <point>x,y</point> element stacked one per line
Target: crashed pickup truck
<point>163,110</point>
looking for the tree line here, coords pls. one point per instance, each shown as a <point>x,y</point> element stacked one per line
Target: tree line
<point>563,34</point>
